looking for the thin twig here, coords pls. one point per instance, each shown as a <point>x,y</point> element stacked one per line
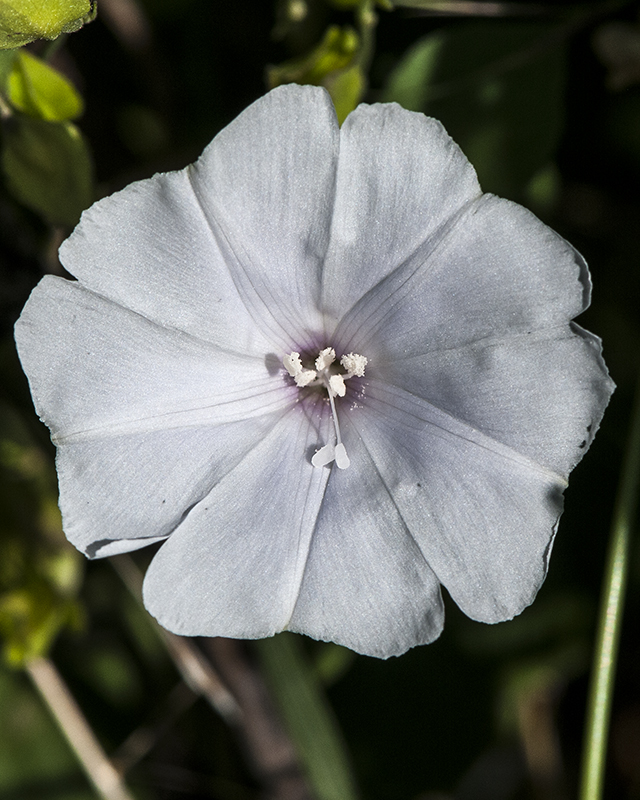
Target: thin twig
<point>269,748</point>
<point>195,669</point>
<point>99,769</point>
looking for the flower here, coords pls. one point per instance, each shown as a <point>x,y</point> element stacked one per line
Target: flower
<point>327,371</point>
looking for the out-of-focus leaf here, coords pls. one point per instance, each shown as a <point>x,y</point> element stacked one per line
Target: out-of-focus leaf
<point>48,168</point>
<point>331,662</point>
<point>498,89</point>
<point>346,89</point>
<point>335,52</point>
<point>40,572</point>
<point>543,190</point>
<point>41,91</point>
<point>7,57</point>
<point>22,21</point>
<point>308,717</point>
<point>33,751</point>
<point>333,64</point>
<point>345,5</point>
<point>617,45</point>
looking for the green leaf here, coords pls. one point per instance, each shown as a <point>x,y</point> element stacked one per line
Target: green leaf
<point>346,89</point>
<point>307,716</point>
<point>48,168</point>
<point>498,88</point>
<point>336,51</point>
<point>22,21</point>
<point>41,91</point>
<point>7,57</point>
<point>40,573</point>
<point>334,64</point>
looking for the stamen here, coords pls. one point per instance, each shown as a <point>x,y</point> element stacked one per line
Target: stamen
<point>292,364</point>
<point>300,375</point>
<point>325,455</point>
<point>342,459</point>
<point>354,365</point>
<point>325,359</point>
<point>336,385</point>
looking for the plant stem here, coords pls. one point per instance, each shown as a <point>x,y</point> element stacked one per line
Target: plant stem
<point>610,617</point>
<point>101,772</point>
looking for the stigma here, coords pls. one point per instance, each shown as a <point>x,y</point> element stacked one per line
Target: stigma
<point>326,375</point>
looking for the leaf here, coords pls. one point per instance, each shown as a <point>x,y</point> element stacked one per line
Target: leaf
<point>307,716</point>
<point>48,168</point>
<point>334,64</point>
<point>498,89</point>
<point>346,89</point>
<point>336,52</point>
<point>7,57</point>
<point>40,573</point>
<point>22,21</point>
<point>40,91</point>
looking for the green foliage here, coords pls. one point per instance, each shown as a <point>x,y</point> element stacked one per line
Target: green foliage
<point>308,717</point>
<point>498,89</point>
<point>7,57</point>
<point>48,168</point>
<point>39,571</point>
<point>40,91</point>
<point>32,749</point>
<point>334,64</point>
<point>22,21</point>
<point>45,160</point>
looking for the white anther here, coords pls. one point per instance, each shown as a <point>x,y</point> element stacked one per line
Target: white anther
<point>354,364</point>
<point>325,358</point>
<point>293,365</point>
<point>323,456</point>
<point>305,377</point>
<point>336,385</point>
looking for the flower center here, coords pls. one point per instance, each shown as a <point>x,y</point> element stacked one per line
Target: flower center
<point>333,382</point>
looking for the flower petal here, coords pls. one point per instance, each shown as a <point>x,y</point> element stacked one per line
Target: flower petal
<point>542,393</point>
<point>148,248</point>
<point>493,270</point>
<point>366,584</point>
<point>483,516</point>
<point>266,186</point>
<point>146,418</point>
<point>122,493</point>
<point>400,176</point>
<point>233,567</point>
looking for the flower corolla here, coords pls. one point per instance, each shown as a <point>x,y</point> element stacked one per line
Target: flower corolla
<point>326,371</point>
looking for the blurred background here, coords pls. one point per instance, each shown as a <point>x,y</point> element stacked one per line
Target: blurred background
<point>544,99</point>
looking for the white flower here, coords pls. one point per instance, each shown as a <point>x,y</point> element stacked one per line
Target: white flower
<point>327,370</point>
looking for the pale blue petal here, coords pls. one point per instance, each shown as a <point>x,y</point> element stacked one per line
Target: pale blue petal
<point>483,515</point>
<point>146,419</point>
<point>136,489</point>
<point>148,248</point>
<point>400,177</point>
<point>477,323</point>
<point>266,186</point>
<point>493,270</point>
<point>543,393</point>
<point>234,565</point>
<point>366,584</point>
